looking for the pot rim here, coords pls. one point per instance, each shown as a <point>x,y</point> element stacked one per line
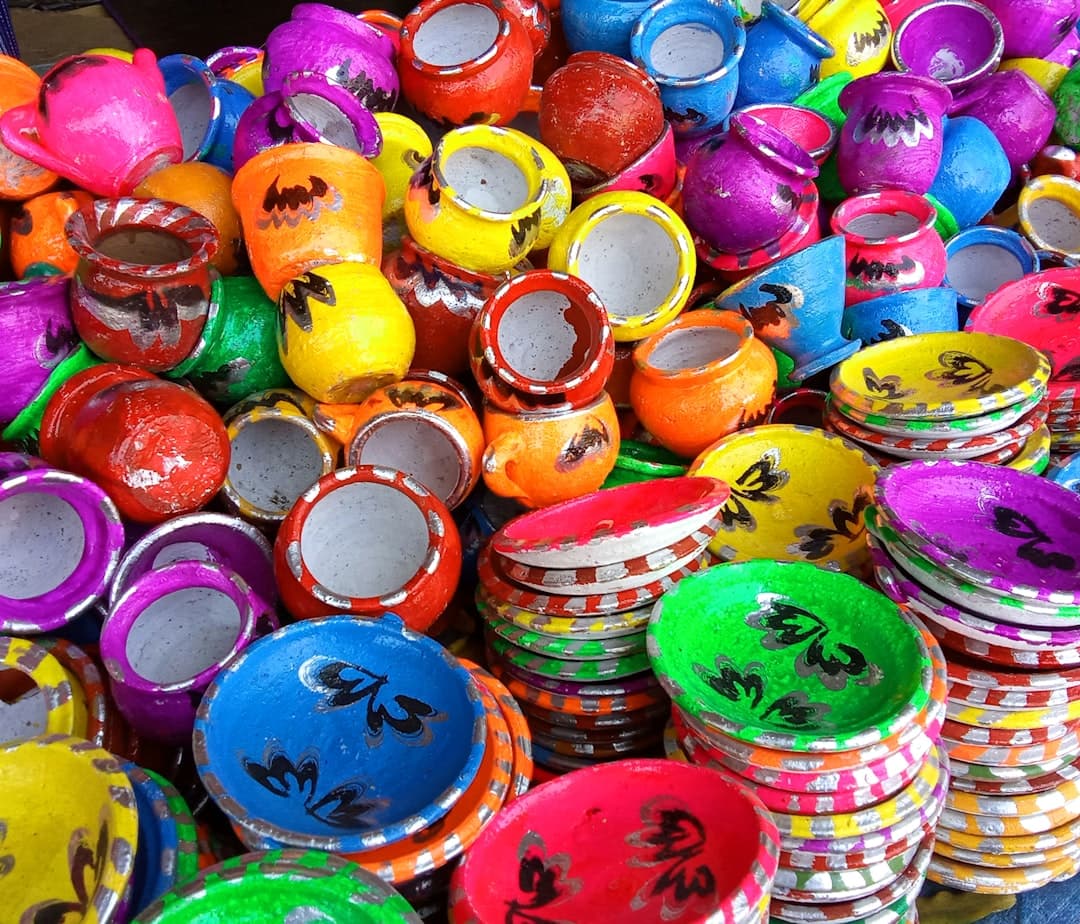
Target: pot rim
<point>728,320</point>
<point>423,12</point>
<point>883,201</point>
<point>772,144</point>
<point>719,22</point>
<point>985,68</point>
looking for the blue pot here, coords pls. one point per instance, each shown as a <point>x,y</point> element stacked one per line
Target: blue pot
<point>207,107</point>
<point>691,48</point>
<point>795,306</point>
<point>782,58</point>
<point>915,311</point>
<point>601,25</point>
<point>159,841</point>
<point>983,258</point>
<point>1067,475</point>
<point>974,170</point>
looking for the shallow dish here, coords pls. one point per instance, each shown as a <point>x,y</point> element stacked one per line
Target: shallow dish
<point>929,428</point>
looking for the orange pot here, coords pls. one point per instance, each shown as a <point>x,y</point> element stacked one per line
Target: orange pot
<point>703,376</point>
<point>38,235</point>
<point>20,178</point>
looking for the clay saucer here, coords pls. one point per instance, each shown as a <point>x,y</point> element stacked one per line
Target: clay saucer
<point>601,626</point>
<point>968,877</point>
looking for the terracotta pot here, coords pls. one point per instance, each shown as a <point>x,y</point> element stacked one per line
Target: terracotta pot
<point>38,235</point>
<point>141,291</point>
<point>859,30</point>
<point>20,179</point>
<point>702,377</point>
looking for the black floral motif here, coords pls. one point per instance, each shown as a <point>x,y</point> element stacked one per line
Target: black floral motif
<point>523,233</point>
<point>815,542</point>
<point>860,42</point>
<point>86,865</point>
<point>293,302</point>
<point>959,368</point>
<point>673,837</point>
<point>56,343</point>
<point>887,386</point>
<point>833,662</point>
<point>588,442</point>
<point>292,198</point>
<point>778,311</point>
<point>151,316</point>
<point>421,396</point>
<point>876,270</point>
<point>690,117</point>
<point>1070,372</point>
<point>214,384</point>
<point>278,774</point>
<point>733,684</point>
<point>749,684</point>
<point>7,861</point>
<point>1063,301</point>
<point>796,711</point>
<point>22,223</point>
<point>1013,523</point>
<point>891,331</point>
<point>425,177</point>
<point>542,878</point>
<point>755,485</point>
<point>362,87</point>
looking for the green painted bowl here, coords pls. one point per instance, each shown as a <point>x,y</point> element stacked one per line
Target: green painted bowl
<point>786,655</point>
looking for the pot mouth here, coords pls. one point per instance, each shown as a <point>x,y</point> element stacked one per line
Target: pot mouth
<point>892,217</point>
<point>900,80</point>
<point>1049,212</point>
<point>807,122</point>
<point>328,113</point>
<point>949,69</point>
<point>195,98</point>
<point>695,345</point>
<point>480,32</point>
<point>773,144</point>
<point>698,45</point>
<point>490,172</point>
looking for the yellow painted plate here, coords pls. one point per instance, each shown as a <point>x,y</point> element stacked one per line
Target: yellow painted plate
<point>996,881</point>
<point>940,375</point>
<point>1034,457</point>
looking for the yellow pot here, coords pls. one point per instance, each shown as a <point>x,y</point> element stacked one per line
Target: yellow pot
<point>636,253</point>
<point>59,694</point>
<point>405,147</point>
<point>859,30</point>
<point>343,332</point>
<point>1047,74</point>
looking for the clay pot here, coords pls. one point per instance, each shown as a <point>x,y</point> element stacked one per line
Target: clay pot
<point>703,376</point>
<point>809,129</point>
<point>984,258</point>
<point>600,25</point>
<point>20,179</point>
<point>141,291</point>
<point>405,146</point>
<point>655,172</point>
<point>38,235</point>
<point>1033,28</point>
<point>859,30</point>
<point>954,41</point>
<point>974,171</point>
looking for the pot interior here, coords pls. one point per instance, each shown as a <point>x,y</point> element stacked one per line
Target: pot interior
<point>327,119</point>
<point>143,246</point>
<point>182,634</point>
<point>689,49</point>
<point>948,41</point>
<point>42,541</point>
<point>23,710</point>
<point>692,347</point>
<point>272,462</point>
<point>543,336</point>
<point>881,225</point>
<point>977,270</point>
<point>1056,224</point>
<point>411,444</point>
<point>364,540</point>
<point>194,108</point>
<point>631,262</point>
<point>486,179</point>
<point>456,34</point>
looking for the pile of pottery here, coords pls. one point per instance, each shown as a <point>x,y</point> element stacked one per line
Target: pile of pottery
<point>565,594</point>
<point>987,557</point>
<point>821,696</point>
<point>964,395</point>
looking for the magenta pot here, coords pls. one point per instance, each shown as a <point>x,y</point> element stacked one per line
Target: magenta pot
<point>742,189</point>
<point>892,137</point>
<point>1033,28</point>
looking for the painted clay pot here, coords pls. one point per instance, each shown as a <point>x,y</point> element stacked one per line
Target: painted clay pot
<point>984,258</point>
<point>423,425</point>
<point>306,205</point>
<point>703,376</point>
<point>466,63</point>
<point>23,429</point>
<point>540,458</point>
<point>443,299</point>
<point>795,305</point>
<point>892,137</point>
<point>320,39</point>
<point>39,333</point>
<point>1015,108</point>
<point>637,255</point>
<point>954,41</point>
<point>859,30</point>
<point>42,693</point>
<point>157,448</point>
<point>275,453</point>
<point>891,244</point>
<point>1067,53</point>
<point>692,51</point>
<point>899,10</point>
<point>103,123</point>
<point>782,59</point>
<point>1049,210</point>
<point>37,234</point>
<point>141,291</point>
<point>600,25</point>
<point>543,340</point>
<point>477,200</point>
<point>307,108</point>
<point>366,540</point>
<point>903,314</point>
<point>1033,28</point>
<point>809,129</point>
<point>1046,74</point>
<point>236,354</point>
<point>343,332</point>
<point>656,172</point>
<point>242,64</point>
<point>742,189</point>
<point>20,179</point>
<point>61,540</point>
<point>405,146</point>
<point>207,108</point>
<point>167,637</point>
<point>599,114</point>
<point>974,171</point>
<point>1067,101</point>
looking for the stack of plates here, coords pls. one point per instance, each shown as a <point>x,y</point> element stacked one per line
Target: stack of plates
<point>988,557</point>
<point>822,697</point>
<point>945,396</point>
<point>565,594</point>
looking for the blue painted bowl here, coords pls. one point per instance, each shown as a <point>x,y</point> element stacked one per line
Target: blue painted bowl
<point>782,58</point>
<point>159,841</point>
<point>796,305</point>
<point>339,734</point>
<point>916,311</point>
<point>974,170</point>
<point>601,25</point>
<point>983,258</point>
<point>691,48</point>
<point>1066,475</point>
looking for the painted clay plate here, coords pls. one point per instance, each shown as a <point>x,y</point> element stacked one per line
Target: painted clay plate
<point>961,427</point>
<point>961,733</point>
<point>1035,455</point>
<point>1060,837</point>
<point>517,725</point>
<point>971,878</point>
<point>778,507</point>
<point>1013,532</point>
<point>986,717</point>
<point>986,771</point>
<point>557,646</point>
<point>988,677</point>
<point>282,885</point>
<point>1001,816</point>
<point>1007,657</point>
<point>940,375</point>
<point>576,671</point>
<point>832,862</point>
<point>85,672</point>
<point>392,733</point>
<point>1006,861</point>
<point>640,682</point>
<point>588,704</point>
<point>787,655</point>
<point>535,856</point>
<point>1010,699</point>
<point>604,626</point>
<point>1040,309</point>
<point>840,885</point>
<point>611,525</point>
<point>1024,787</point>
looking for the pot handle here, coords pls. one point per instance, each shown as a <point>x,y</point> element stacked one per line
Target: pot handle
<point>18,131</point>
<point>500,455</point>
<point>532,99</point>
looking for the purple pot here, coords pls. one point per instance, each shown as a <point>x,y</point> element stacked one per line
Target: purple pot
<point>893,133</point>
<point>1033,28</point>
<point>35,319</point>
<point>954,41</point>
<point>1015,108</point>
<point>1067,51</point>
<point>320,39</point>
<point>743,189</point>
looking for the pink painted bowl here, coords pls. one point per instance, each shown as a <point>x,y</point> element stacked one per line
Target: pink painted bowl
<point>655,172</point>
<point>809,129</point>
